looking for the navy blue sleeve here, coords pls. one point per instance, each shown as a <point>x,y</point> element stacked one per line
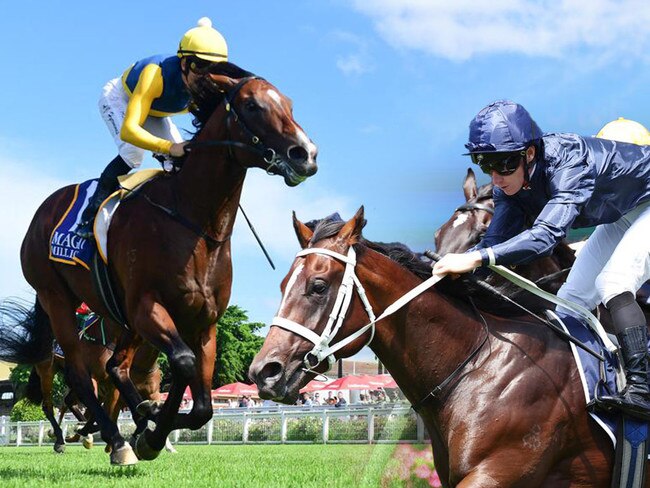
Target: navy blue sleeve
<point>508,221</point>
<point>571,180</point>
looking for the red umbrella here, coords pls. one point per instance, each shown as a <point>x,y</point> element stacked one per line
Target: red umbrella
<point>235,389</point>
<point>349,383</point>
<point>314,385</point>
<point>386,379</point>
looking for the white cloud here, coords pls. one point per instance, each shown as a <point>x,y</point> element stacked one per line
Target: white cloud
<point>357,62</point>
<point>461,29</point>
<point>351,65</point>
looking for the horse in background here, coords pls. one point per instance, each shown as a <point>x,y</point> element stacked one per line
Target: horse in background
<point>467,226</point>
<point>500,396</point>
<point>97,343</point>
<point>169,255</point>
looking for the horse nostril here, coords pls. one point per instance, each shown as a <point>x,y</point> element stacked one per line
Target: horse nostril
<point>297,153</point>
<point>270,370</point>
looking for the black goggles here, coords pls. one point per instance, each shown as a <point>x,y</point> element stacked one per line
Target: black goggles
<point>501,163</point>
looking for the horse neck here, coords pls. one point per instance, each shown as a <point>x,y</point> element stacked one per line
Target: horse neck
<point>211,181</point>
<point>422,345</point>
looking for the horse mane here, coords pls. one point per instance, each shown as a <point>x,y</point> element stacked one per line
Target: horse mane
<point>206,95</point>
<point>420,265</point>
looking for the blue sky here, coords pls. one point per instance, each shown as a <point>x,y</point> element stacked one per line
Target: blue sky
<point>385,88</point>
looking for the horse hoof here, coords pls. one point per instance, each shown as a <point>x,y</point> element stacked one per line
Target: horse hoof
<point>88,441</point>
<point>143,450</point>
<point>107,449</point>
<point>51,434</point>
<point>124,456</point>
<point>59,448</point>
<point>148,408</point>
<point>73,438</point>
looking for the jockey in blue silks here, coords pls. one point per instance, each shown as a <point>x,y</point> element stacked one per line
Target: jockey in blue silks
<point>564,181</point>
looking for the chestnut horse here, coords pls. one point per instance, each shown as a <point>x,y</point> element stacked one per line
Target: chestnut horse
<point>169,253</point>
<point>501,397</point>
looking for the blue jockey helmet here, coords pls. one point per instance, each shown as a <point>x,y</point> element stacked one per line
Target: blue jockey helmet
<point>502,126</point>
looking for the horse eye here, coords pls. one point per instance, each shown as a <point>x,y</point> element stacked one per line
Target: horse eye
<point>318,286</point>
<point>252,106</point>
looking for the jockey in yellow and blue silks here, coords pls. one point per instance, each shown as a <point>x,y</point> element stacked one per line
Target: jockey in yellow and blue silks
<point>137,107</point>
<point>563,181</point>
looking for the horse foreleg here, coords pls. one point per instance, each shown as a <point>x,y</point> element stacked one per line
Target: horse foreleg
<point>155,324</point>
<point>201,383</point>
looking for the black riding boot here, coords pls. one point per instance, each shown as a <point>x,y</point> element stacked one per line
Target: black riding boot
<point>107,184</point>
<point>634,400</point>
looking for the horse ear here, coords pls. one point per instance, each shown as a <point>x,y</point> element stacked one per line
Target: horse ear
<point>303,233</point>
<point>351,231</point>
<point>224,82</point>
<point>469,185</point>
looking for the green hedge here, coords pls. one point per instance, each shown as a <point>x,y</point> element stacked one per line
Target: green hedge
<point>26,411</point>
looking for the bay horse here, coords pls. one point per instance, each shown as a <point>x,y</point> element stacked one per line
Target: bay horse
<point>169,252</point>
<point>500,396</point>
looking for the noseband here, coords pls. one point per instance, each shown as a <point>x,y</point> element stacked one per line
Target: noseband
<point>322,349</point>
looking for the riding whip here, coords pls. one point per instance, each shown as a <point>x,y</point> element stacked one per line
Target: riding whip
<point>259,241</point>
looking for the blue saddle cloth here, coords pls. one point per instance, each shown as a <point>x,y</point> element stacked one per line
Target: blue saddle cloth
<point>65,245</point>
<point>596,377</point>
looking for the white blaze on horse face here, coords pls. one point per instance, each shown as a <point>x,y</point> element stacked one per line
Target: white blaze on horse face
<point>302,137</point>
<point>275,96</point>
<point>460,220</point>
<point>290,283</point>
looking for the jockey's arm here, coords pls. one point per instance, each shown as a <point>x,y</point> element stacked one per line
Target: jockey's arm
<point>571,185</point>
<point>507,222</point>
<point>148,88</point>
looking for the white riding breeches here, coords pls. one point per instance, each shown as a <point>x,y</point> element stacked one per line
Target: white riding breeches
<point>615,259</point>
<point>112,106</point>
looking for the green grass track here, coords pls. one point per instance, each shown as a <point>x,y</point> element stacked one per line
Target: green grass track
<point>248,466</point>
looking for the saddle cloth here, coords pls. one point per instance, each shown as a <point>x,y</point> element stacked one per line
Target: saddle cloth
<point>596,377</point>
<point>66,246</point>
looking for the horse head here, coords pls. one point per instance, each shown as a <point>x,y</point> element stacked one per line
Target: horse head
<point>469,222</point>
<point>321,318</point>
<point>259,124</point>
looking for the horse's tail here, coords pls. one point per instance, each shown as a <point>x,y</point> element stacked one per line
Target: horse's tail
<point>25,333</point>
<point>33,391</point>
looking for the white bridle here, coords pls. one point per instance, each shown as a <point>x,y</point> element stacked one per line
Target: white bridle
<point>322,349</point>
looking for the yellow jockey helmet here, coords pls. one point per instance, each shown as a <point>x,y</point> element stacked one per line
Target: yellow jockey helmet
<point>625,130</point>
<point>204,42</point>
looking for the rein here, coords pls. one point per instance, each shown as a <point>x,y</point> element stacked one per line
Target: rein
<point>268,154</point>
<point>322,349</point>
<point>256,145</point>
